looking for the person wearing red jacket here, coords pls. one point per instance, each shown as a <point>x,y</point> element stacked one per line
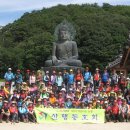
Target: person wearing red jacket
<point>13,112</point>
<point>78,77</point>
<point>5,111</point>
<point>96,78</point>
<point>115,111</point>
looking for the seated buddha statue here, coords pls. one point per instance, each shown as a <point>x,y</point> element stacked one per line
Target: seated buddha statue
<point>64,52</point>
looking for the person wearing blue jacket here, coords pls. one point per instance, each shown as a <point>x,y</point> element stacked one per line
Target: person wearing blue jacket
<point>87,76</point>
<point>23,112</point>
<point>105,77</point>
<point>71,79</point>
<point>18,79</point>
<point>9,76</point>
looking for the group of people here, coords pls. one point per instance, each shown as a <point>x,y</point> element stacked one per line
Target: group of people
<point>66,89</point>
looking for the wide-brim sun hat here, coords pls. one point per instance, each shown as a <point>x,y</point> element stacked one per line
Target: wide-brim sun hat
<point>13,102</point>
<point>24,83</point>
<point>5,101</point>
<point>39,100</point>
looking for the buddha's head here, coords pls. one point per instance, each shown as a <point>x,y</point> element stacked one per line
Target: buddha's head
<point>64,31</point>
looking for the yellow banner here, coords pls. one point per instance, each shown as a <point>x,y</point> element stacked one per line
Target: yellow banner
<point>45,115</point>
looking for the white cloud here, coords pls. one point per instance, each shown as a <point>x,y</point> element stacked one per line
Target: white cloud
<point>17,5</point>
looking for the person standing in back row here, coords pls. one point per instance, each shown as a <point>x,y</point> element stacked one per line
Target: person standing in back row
<point>105,77</point>
<point>114,78</point>
<point>97,78</point>
<point>71,80</point>
<point>18,79</point>
<point>9,76</point>
<point>87,76</point>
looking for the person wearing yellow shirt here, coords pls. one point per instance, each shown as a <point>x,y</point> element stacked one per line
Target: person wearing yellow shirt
<point>6,89</point>
<point>52,98</point>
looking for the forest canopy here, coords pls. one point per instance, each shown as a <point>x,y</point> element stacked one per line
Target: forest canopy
<point>101,33</point>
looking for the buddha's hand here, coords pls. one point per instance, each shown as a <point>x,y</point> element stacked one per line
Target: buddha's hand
<point>73,58</point>
<point>54,59</point>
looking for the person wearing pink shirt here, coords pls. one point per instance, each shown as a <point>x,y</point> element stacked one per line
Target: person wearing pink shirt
<point>60,98</point>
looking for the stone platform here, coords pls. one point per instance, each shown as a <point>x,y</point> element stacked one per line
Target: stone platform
<point>61,68</point>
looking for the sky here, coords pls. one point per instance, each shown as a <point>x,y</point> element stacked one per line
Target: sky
<point>11,10</point>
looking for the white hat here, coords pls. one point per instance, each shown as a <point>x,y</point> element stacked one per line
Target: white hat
<point>119,96</point>
<point>106,102</point>
<point>28,97</point>
<point>97,69</point>
<point>9,69</point>
<point>71,70</point>
<point>24,83</point>
<point>122,98</point>
<point>6,101</point>
<point>13,102</point>
<point>45,97</point>
<point>128,78</point>
<point>78,83</point>
<point>63,89</point>
<point>70,89</point>
<point>47,72</point>
<point>68,97</point>
<point>39,100</point>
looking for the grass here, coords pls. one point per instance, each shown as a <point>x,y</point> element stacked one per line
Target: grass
<point>2,80</point>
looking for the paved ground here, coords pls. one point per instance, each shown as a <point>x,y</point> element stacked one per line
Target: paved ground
<point>31,126</point>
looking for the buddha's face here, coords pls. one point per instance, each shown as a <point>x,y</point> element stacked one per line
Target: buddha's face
<point>63,35</point>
